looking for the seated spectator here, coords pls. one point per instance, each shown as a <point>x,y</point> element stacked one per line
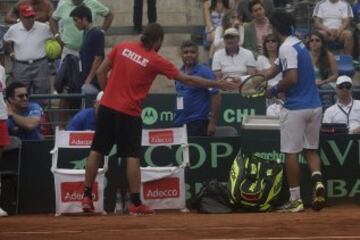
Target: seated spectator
<point>42,8</point>
<point>256,30</point>
<point>25,41</point>
<point>324,62</point>
<point>86,118</point>
<point>356,24</point>
<point>332,18</point>
<point>196,103</point>
<point>230,20</point>
<point>213,11</point>
<point>346,110</point>
<point>243,9</point>
<point>233,60</point>
<point>24,116</point>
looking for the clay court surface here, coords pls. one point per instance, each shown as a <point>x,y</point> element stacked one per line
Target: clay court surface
<point>340,222</point>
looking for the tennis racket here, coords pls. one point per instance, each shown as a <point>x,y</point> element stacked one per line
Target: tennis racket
<point>253,86</point>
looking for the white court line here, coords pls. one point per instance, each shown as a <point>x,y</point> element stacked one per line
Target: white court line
<point>286,238</point>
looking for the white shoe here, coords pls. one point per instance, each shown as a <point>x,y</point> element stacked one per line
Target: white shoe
<point>3,213</point>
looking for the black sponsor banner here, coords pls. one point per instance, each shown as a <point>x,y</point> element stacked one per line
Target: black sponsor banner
<point>209,158</point>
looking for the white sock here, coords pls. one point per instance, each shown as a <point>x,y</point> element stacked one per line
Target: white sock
<point>316,172</point>
<point>295,193</point>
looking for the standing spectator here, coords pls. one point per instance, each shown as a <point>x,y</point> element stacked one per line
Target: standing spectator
<point>4,135</point>
<point>332,18</point>
<point>323,60</point>
<point>86,118</point>
<point>24,116</point>
<point>257,29</point>
<point>233,60</point>
<point>92,49</point>
<point>346,110</point>
<point>43,10</point>
<point>197,103</point>
<point>300,117</point>
<point>133,66</point>
<point>70,36</point>
<point>26,43</point>
<point>138,13</point>
<point>243,9</point>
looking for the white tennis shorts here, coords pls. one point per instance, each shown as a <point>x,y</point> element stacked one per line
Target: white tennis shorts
<point>299,129</point>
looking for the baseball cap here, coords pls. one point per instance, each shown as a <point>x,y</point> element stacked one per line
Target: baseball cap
<point>231,32</point>
<point>26,10</point>
<point>343,79</point>
<point>99,96</point>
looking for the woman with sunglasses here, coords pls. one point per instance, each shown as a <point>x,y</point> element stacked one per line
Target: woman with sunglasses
<point>323,60</point>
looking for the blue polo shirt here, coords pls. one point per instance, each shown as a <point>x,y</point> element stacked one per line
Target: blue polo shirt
<point>304,94</point>
<point>83,120</point>
<point>93,45</point>
<point>196,100</point>
<point>32,110</point>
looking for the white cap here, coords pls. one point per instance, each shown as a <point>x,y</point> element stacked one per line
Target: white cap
<point>343,79</point>
<point>231,32</point>
<point>99,96</point>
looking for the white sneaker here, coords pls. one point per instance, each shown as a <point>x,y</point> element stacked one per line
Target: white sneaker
<point>3,213</point>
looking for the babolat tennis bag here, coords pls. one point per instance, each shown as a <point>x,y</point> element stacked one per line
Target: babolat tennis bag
<point>254,183</point>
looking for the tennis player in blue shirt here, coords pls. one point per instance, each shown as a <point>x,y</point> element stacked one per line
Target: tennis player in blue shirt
<point>300,118</point>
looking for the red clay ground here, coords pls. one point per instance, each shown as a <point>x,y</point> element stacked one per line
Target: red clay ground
<point>339,222</point>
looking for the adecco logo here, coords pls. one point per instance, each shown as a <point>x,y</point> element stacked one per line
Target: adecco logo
<point>157,137</point>
<point>149,115</point>
<point>163,188</point>
<point>80,139</point>
<point>74,191</point>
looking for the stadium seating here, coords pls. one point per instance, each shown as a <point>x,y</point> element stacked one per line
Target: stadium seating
<point>345,65</point>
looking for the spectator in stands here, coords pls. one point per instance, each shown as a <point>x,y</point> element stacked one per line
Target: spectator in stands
<point>25,41</point>
<point>356,23</point>
<point>196,103</point>
<point>257,29</point>
<point>213,11</point>
<point>42,8</point>
<point>323,60</point>
<point>133,67</point>
<point>346,110</point>
<point>69,35</point>
<point>4,135</point>
<point>231,19</point>
<point>92,49</point>
<point>243,9</point>
<point>138,13</point>
<point>86,118</point>
<point>24,116</point>
<point>332,18</point>
<point>233,60</point>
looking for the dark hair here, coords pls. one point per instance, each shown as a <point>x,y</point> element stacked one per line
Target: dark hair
<point>270,35</point>
<point>152,33</point>
<point>322,62</point>
<point>252,3</point>
<point>213,4</point>
<point>82,12</point>
<point>283,22</point>
<point>225,23</point>
<point>189,43</point>
<point>10,90</point>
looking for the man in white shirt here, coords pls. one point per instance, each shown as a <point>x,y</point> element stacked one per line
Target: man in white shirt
<point>346,110</point>
<point>333,19</point>
<point>26,43</point>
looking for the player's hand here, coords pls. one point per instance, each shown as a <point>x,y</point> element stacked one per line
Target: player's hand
<point>229,84</point>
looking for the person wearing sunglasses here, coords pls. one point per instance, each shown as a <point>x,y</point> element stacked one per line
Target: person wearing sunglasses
<point>346,109</point>
<point>23,116</point>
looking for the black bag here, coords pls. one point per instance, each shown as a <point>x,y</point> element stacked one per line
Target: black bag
<point>212,198</point>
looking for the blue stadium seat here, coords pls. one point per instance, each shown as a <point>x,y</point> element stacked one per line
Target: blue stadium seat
<point>345,65</point>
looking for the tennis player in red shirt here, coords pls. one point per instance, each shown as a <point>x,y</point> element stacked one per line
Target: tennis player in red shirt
<point>133,67</point>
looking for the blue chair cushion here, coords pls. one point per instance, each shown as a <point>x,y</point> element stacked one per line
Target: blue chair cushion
<point>345,65</point>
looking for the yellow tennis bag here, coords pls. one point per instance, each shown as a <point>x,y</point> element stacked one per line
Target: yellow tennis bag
<point>254,183</point>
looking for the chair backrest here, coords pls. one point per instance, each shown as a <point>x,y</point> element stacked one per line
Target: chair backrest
<point>225,131</point>
<point>15,143</point>
<point>345,65</point>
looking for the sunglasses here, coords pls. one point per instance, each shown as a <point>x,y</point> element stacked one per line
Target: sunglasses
<point>345,86</point>
<point>22,96</point>
<point>271,40</point>
<point>315,40</point>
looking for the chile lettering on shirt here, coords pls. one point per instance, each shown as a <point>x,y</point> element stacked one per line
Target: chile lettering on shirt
<point>135,57</point>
